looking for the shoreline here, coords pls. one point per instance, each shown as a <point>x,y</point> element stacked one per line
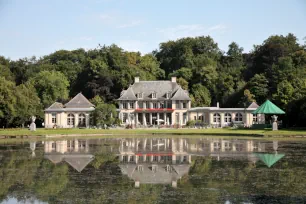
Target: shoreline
<point>24,134</point>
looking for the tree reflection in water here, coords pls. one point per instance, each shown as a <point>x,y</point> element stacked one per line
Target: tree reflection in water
<point>152,170</point>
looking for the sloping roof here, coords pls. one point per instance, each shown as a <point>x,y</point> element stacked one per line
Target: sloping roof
<point>54,158</point>
<point>78,162</point>
<point>253,105</point>
<point>128,95</point>
<point>268,108</point>
<point>180,94</point>
<point>55,105</point>
<point>161,88</point>
<point>160,176</point>
<point>269,159</point>
<point>79,101</point>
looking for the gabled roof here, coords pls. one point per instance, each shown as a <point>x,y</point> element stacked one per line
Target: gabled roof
<point>79,101</point>
<point>78,162</point>
<point>128,95</point>
<point>253,105</point>
<point>180,94</point>
<point>55,105</point>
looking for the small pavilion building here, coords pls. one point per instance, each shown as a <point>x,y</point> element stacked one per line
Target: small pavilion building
<point>73,114</point>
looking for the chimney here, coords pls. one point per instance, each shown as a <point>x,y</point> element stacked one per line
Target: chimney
<point>136,79</point>
<point>173,79</point>
<point>218,105</point>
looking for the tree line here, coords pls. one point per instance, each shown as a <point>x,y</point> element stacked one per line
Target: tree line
<point>275,69</point>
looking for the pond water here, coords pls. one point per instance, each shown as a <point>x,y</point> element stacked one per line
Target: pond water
<point>153,170</point>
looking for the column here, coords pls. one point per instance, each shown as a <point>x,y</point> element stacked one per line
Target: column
<point>76,145</point>
<point>76,119</point>
<point>128,105</point>
<point>197,116</point>
<point>157,118</point>
<point>211,118</point>
<point>150,118</point>
<point>136,105</point>
<point>87,120</point>
<point>165,118</point>
<point>222,119</point>
<point>136,121</point>
<point>143,118</point>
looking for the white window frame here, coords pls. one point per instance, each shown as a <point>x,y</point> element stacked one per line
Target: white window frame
<point>154,95</point>
<point>227,117</point>
<point>238,117</point>
<point>53,120</point>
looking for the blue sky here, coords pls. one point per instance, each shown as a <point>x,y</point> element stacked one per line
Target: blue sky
<point>39,27</point>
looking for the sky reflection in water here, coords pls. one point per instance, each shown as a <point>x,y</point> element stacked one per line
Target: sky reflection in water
<point>153,170</point>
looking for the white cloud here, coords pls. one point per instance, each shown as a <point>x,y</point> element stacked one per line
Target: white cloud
<point>133,45</point>
<point>192,30</point>
<point>131,24</point>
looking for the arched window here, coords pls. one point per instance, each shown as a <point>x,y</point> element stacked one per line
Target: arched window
<point>70,119</point>
<point>227,118</point>
<point>82,119</point>
<point>217,118</point>
<point>238,117</point>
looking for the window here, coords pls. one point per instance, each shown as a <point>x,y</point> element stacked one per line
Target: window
<point>148,104</point>
<point>184,104</point>
<point>82,119</point>
<point>131,105</point>
<point>132,159</point>
<point>238,117</point>
<point>195,117</point>
<point>140,104</point>
<point>53,117</point>
<point>217,118</point>
<point>168,95</point>
<point>124,117</point>
<point>154,168</point>
<point>255,119</point>
<point>70,119</point>
<point>124,105</point>
<point>184,118</point>
<point>177,104</point>
<point>139,95</point>
<point>161,104</point>
<point>140,168</point>
<point>154,105</point>
<point>53,145</point>
<point>227,118</point>
<point>154,95</point>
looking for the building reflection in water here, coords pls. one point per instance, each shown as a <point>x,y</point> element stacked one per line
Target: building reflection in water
<point>74,152</point>
<point>156,160</point>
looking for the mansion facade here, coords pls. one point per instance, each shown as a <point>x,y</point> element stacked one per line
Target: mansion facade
<point>147,103</point>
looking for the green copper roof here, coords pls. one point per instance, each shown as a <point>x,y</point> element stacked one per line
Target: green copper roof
<point>268,108</point>
<point>269,159</point>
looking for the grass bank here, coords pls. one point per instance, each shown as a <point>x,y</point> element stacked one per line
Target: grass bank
<point>213,132</point>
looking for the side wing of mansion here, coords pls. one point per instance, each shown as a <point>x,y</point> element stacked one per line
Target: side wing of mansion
<point>75,113</point>
<point>148,103</point>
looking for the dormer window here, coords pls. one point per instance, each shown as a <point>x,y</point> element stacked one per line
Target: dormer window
<point>139,95</point>
<point>154,95</point>
<point>168,95</point>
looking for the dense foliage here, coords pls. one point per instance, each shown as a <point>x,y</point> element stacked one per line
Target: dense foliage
<point>274,70</point>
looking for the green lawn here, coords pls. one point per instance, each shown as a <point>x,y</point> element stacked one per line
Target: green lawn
<point>223,132</point>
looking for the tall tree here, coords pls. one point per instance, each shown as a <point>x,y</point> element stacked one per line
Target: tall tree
<point>50,86</point>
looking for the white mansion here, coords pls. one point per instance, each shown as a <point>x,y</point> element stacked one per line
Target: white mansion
<point>147,103</point>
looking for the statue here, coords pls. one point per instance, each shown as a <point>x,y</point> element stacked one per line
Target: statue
<point>33,125</point>
<point>274,123</point>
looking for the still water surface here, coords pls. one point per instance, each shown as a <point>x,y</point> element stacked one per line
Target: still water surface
<point>153,170</point>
